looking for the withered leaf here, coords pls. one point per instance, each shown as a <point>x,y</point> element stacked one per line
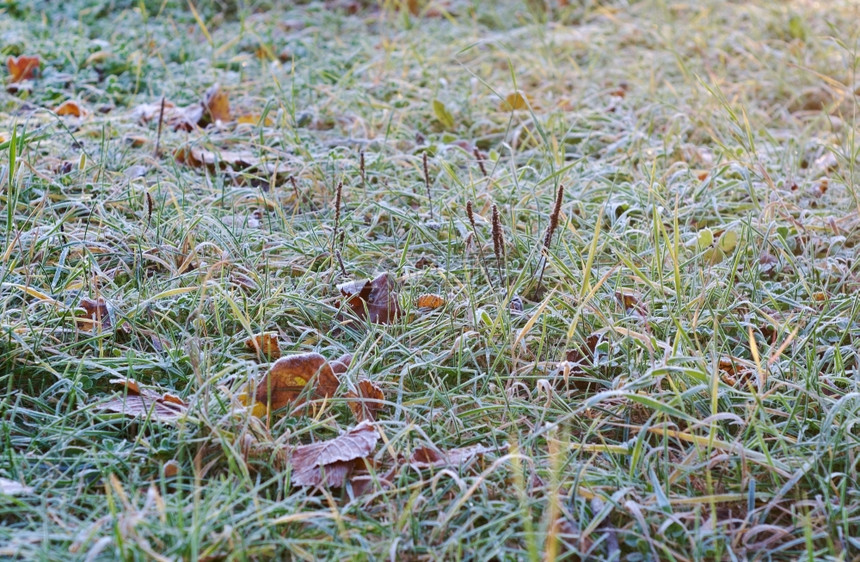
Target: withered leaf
<point>216,104</point>
<point>374,300</point>
<point>70,107</point>
<point>97,315</point>
<point>585,351</point>
<point>329,462</point>
<point>265,344</point>
<point>288,377</point>
<point>426,457</point>
<point>144,402</point>
<point>23,67</point>
<point>367,401</point>
<point>430,301</point>
<point>223,159</point>
<point>515,101</point>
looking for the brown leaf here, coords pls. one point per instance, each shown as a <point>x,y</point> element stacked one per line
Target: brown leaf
<point>23,67</point>
<point>97,315</point>
<point>426,457</point>
<point>430,301</point>
<point>70,107</point>
<point>341,364</point>
<point>288,377</point>
<point>585,351</point>
<point>367,401</point>
<point>328,463</point>
<point>265,344</point>
<point>223,159</point>
<point>216,104</point>
<point>145,403</point>
<point>374,300</point>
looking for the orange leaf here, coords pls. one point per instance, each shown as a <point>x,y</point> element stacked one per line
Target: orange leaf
<point>328,463</point>
<point>288,377</point>
<point>264,344</point>
<point>253,120</point>
<point>430,301</point>
<point>367,401</point>
<point>70,107</point>
<point>515,102</point>
<point>23,67</point>
<point>216,103</point>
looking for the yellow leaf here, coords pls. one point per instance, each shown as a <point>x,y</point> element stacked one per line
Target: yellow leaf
<point>515,101</point>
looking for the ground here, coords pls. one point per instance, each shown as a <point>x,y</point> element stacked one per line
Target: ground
<point>650,353</point>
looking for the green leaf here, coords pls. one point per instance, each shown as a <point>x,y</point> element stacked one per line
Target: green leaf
<point>706,238</point>
<point>728,241</point>
<point>443,115</point>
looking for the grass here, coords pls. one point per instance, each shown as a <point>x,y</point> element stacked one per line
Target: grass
<point>709,407</point>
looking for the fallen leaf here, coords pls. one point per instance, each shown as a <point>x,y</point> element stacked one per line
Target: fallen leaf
<point>222,159</point>
<point>23,67</point>
<point>97,315</point>
<point>426,457</point>
<point>374,299</point>
<point>12,488</point>
<point>585,351</point>
<point>328,463</point>
<point>288,377</point>
<point>171,469</point>
<point>145,402</point>
<point>185,118</point>
<point>146,112</point>
<point>254,120</point>
<point>367,401</point>
<point>264,344</point>
<point>631,301</point>
<point>514,102</point>
<point>216,104</point>
<point>70,107</point>
<point>430,301</point>
<point>443,115</point>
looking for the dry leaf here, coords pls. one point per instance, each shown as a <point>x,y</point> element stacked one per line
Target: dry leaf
<point>341,364</point>
<point>253,120</point>
<point>145,403</point>
<point>70,107</point>
<point>185,118</point>
<point>223,159</point>
<point>265,344</point>
<point>216,104</point>
<point>584,352</point>
<point>430,301</point>
<point>367,401</point>
<point>23,67</point>
<point>146,112</point>
<point>515,101</point>
<point>425,457</point>
<point>288,377</point>
<point>171,469</point>
<point>97,315</point>
<point>12,488</point>
<point>374,300</point>
<point>329,462</point>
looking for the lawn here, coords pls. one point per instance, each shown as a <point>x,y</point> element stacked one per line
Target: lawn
<point>613,252</point>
